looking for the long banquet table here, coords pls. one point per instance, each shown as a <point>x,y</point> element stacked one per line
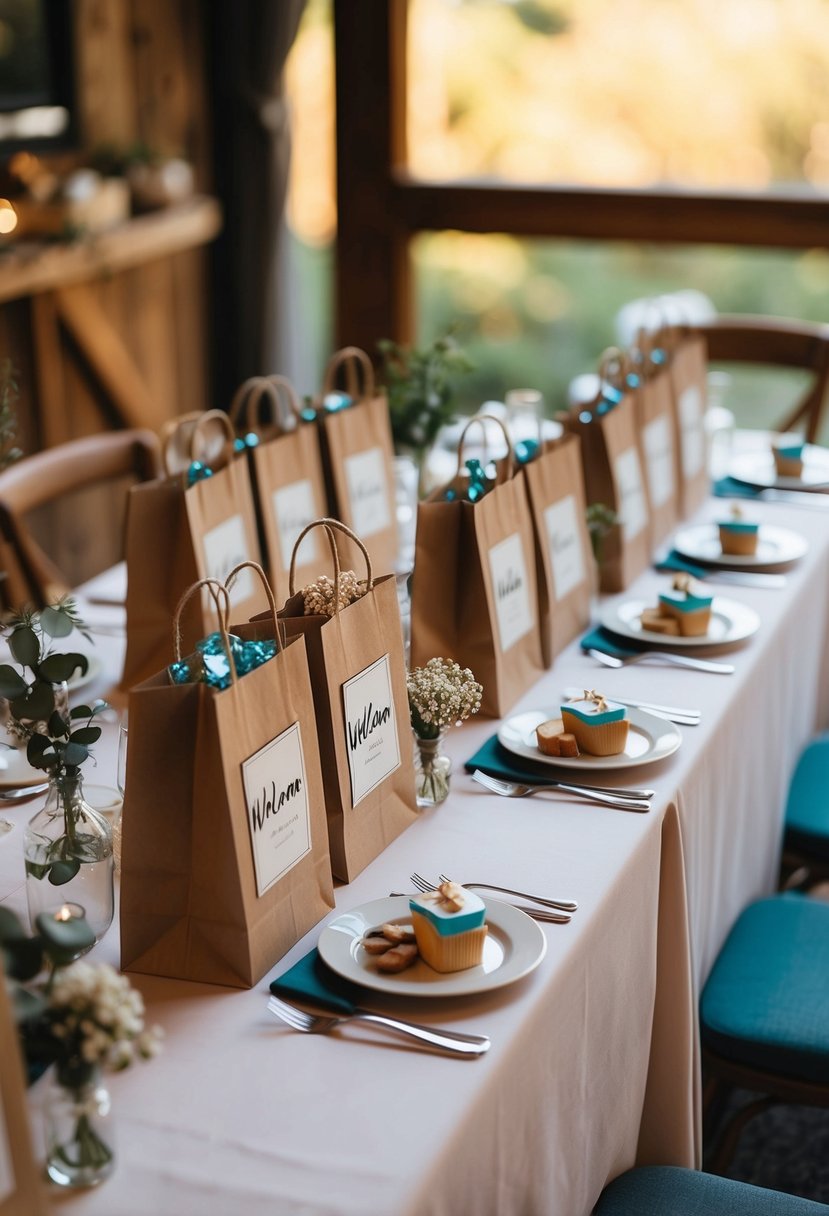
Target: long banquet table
<point>594,1061</point>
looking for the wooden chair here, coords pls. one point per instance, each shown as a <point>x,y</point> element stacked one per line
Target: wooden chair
<point>763,1019</point>
<point>773,341</point>
<point>667,1190</point>
<point>47,477</point>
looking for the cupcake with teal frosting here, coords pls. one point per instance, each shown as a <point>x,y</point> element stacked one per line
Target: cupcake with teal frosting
<point>688,605</point>
<point>787,451</point>
<point>449,927</point>
<point>600,726</point>
<point>738,536</point>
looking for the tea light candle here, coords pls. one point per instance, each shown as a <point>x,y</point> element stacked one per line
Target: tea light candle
<point>67,911</point>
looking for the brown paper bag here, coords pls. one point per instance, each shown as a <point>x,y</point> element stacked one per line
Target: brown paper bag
<point>358,674</point>
<point>688,373</point>
<point>613,473</point>
<point>224,855</point>
<point>359,460</point>
<point>178,533</point>
<point>656,427</point>
<point>474,589</point>
<point>287,475</point>
<point>564,559</point>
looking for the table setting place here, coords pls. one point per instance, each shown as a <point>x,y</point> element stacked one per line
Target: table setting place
<point>291,757</point>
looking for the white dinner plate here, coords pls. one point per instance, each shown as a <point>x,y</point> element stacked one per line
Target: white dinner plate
<point>649,739</point>
<point>730,622</point>
<point>15,769</point>
<point>757,469</point>
<point>514,946</point>
<point>775,547</point>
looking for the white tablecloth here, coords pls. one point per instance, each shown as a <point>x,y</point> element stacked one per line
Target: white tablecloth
<point>594,1062</point>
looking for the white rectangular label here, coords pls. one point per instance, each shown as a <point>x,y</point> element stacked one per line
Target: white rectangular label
<point>277,803</point>
<point>368,493</point>
<point>509,585</point>
<point>659,458</point>
<point>564,540</point>
<point>693,435</point>
<point>633,509</point>
<point>371,741</point>
<point>294,510</point>
<point>224,547</point>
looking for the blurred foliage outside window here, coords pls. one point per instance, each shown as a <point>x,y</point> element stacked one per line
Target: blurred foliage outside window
<point>623,93</point>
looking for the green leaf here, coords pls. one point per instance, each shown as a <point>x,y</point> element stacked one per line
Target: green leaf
<point>24,958</point>
<point>86,735</point>
<point>26,1005</point>
<point>64,939</point>
<point>59,667</point>
<point>11,929</point>
<point>61,872</point>
<point>58,726</point>
<point>12,684</point>
<point>56,622</point>
<point>81,711</point>
<point>38,705</point>
<point>36,871</point>
<point>75,754</point>
<point>24,645</point>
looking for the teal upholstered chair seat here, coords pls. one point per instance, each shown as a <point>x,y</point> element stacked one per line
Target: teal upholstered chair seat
<point>670,1191</point>
<point>807,809</point>
<point>766,1003</point>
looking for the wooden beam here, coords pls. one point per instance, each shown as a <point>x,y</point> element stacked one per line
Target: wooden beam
<point>48,362</point>
<point>794,220</point>
<point>372,288</point>
<point>35,266</point>
<point>108,358</point>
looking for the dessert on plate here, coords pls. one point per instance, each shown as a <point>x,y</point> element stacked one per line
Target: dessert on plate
<point>686,605</point>
<point>449,926</point>
<point>600,726</point>
<point>737,535</point>
<point>787,451</point>
<point>554,740</point>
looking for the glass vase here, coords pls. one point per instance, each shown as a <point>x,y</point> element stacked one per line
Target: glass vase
<point>80,1145</point>
<point>68,852</point>
<point>432,771</point>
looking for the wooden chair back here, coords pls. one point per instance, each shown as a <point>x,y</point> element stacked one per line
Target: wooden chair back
<point>31,576</point>
<point>782,343</point>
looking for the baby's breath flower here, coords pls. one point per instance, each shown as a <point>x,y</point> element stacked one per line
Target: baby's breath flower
<point>320,596</point>
<point>441,694</point>
<point>95,1015</point>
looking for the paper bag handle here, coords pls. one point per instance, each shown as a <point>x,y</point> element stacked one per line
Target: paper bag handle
<point>197,436</point>
<point>246,407</point>
<point>483,419</point>
<point>222,601</point>
<point>330,525</point>
<point>278,627</point>
<point>352,359</point>
<point>611,370</point>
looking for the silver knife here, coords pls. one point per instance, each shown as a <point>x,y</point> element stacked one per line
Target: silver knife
<point>817,500</point>
<point>745,578</point>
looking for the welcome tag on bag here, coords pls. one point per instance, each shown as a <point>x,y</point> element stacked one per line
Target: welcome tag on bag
<point>276,791</point>
<point>223,549</point>
<point>371,728</point>
<point>513,610</point>
<point>368,491</point>
<point>561,522</point>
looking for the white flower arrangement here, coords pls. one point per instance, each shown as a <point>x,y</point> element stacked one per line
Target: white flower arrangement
<point>320,596</point>
<point>441,694</point>
<point>98,1018</point>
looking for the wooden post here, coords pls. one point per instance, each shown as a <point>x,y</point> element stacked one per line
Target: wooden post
<point>373,296</point>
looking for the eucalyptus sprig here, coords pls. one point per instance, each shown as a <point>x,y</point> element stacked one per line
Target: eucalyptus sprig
<point>57,738</point>
<point>600,520</point>
<point>420,387</point>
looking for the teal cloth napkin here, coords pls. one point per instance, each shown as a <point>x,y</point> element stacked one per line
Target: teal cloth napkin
<point>602,639</point>
<point>495,760</point>
<point>310,980</point>
<point>728,487</point>
<point>676,562</point>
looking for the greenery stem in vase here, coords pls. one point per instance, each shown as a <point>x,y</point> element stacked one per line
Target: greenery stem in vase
<point>441,694</point>
<point>68,844</point>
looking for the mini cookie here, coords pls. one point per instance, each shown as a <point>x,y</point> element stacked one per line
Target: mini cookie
<point>398,958</point>
<point>548,737</point>
<point>653,620</point>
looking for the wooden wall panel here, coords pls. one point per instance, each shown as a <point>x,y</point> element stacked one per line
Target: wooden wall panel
<point>105,72</point>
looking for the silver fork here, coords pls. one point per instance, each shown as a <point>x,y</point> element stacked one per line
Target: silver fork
<point>441,1040</point>
<point>547,916</point>
<point>673,713</point>
<point>666,656</point>
<point>514,789</point>
<point>563,905</point>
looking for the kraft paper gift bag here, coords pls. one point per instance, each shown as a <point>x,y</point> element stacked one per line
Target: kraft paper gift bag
<point>287,475</point>
<point>182,527</point>
<point>688,373</point>
<point>359,458</point>
<point>224,855</point>
<point>474,588</point>
<point>358,675</point>
<point>564,558</point>
<point>613,473</point>
<point>656,426</point>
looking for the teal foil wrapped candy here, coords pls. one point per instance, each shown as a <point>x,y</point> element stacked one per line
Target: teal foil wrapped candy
<point>333,402</point>
<point>198,472</point>
<point>251,440</point>
<point>209,665</point>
